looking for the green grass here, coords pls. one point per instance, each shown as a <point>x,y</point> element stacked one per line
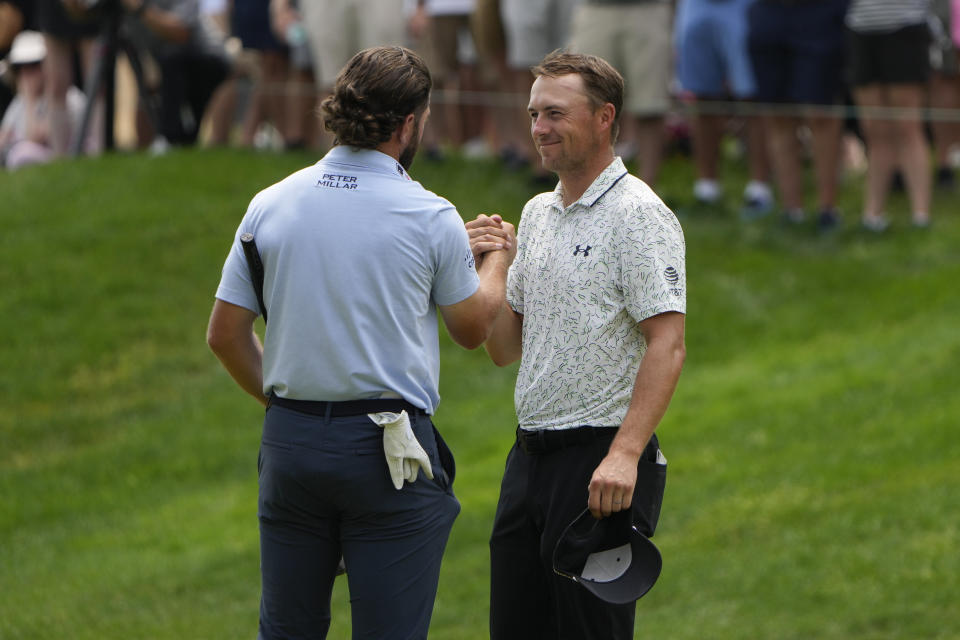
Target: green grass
<point>814,487</point>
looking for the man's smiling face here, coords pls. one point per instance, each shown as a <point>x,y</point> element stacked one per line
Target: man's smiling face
<point>565,126</point>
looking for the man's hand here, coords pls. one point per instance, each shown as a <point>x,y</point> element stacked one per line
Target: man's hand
<point>612,484</point>
<point>491,233</point>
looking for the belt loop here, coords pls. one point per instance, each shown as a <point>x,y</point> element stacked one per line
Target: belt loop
<point>326,413</point>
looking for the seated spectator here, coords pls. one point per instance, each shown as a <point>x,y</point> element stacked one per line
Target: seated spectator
<point>25,129</point>
<point>191,59</point>
<point>12,21</point>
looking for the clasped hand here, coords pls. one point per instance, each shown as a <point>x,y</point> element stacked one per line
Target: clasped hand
<point>491,233</point>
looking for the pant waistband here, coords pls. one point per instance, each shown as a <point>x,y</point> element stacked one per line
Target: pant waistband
<point>342,408</point>
<point>546,440</point>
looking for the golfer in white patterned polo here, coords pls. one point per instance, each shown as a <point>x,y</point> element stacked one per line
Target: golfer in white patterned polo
<point>595,309</point>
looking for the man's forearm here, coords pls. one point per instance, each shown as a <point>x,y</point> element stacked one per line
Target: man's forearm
<point>243,360</point>
<point>654,386</point>
<point>505,342</point>
<point>493,284</point>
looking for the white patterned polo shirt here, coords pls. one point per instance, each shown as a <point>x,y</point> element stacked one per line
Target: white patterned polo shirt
<point>583,279</point>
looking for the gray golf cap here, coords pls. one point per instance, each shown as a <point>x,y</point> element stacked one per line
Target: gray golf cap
<point>608,557</point>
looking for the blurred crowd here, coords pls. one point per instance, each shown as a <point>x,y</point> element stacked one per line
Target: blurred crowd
<point>827,84</point>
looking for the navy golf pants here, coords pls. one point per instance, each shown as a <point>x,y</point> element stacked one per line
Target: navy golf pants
<point>325,491</point>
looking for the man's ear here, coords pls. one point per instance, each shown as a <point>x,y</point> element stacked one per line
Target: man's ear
<point>608,114</point>
<point>407,129</point>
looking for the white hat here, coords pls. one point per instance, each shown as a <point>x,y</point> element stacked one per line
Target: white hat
<point>28,48</point>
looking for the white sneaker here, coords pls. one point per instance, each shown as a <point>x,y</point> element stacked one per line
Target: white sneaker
<point>707,191</point>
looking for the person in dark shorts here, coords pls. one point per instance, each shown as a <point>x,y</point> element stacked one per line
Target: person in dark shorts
<point>67,27</point>
<point>796,47</point>
<point>888,42</point>
<point>191,58</point>
<point>251,23</point>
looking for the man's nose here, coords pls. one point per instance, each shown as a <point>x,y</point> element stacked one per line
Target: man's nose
<point>538,125</point>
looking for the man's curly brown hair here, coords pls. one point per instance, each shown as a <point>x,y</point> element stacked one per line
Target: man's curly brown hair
<point>377,89</point>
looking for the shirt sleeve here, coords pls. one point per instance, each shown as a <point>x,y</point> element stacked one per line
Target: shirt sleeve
<point>515,276</point>
<point>653,262</point>
<point>236,284</point>
<point>456,274</point>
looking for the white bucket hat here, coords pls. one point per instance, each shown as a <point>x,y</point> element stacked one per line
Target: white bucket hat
<point>28,48</point>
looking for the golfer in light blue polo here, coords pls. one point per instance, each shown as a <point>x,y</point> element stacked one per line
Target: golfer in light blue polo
<point>357,258</point>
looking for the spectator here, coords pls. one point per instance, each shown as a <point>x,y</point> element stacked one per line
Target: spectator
<point>944,91</point>
<point>299,95</point>
<point>889,66</point>
<point>633,36</point>
<point>337,29</point>
<point>25,129</point>
<point>441,31</point>
<point>69,28</point>
<point>533,29</point>
<point>251,23</point>
<point>191,59</point>
<point>15,16</point>
<point>797,53</point>
<point>713,62</point>
<point>488,34</point>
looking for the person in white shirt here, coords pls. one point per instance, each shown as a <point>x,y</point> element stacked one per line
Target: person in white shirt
<point>25,135</point>
<point>594,310</point>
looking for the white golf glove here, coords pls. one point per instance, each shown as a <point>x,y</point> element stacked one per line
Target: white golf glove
<point>405,457</point>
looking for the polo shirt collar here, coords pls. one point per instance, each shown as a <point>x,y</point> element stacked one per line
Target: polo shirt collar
<point>598,188</point>
<point>367,158</point>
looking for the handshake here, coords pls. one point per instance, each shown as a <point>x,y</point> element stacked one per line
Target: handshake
<point>491,233</point>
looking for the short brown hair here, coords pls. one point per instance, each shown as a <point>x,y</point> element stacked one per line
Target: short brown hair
<point>602,82</point>
<point>376,90</point>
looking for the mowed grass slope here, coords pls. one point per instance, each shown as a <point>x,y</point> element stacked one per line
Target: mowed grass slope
<point>814,485</point>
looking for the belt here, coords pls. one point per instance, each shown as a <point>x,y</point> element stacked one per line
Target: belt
<point>341,408</point>
<point>545,440</point>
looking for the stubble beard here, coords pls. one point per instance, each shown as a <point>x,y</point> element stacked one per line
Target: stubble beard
<point>408,153</point>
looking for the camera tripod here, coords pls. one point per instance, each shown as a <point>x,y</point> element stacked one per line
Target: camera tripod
<point>103,78</point>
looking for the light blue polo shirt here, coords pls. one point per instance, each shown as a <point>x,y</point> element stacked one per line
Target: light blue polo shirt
<point>356,257</point>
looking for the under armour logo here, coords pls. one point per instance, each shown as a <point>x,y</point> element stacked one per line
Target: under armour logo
<point>585,251</point>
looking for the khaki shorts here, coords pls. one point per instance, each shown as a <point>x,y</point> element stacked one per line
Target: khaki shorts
<point>488,30</point>
<point>337,29</point>
<point>441,46</point>
<point>534,28</point>
<point>635,39</point>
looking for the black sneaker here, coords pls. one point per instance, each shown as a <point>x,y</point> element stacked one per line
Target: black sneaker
<point>828,220</point>
<point>945,179</point>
